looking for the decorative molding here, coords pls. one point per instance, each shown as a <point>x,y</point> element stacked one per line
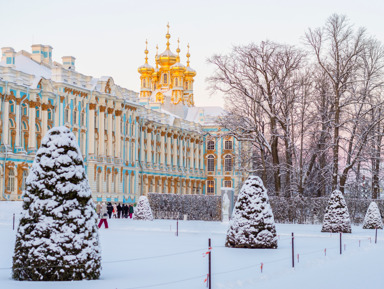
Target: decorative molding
<point>75,92</point>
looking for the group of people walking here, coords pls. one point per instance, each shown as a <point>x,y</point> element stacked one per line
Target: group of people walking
<point>116,211</point>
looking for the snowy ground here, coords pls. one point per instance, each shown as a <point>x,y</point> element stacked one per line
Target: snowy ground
<point>139,254</point>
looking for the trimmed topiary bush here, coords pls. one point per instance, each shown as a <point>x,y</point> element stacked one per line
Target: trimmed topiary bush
<point>57,238</point>
<point>252,224</point>
<point>336,218</point>
<point>372,218</point>
<point>143,210</point>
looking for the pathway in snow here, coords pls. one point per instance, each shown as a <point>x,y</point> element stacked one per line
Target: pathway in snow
<point>143,254</point>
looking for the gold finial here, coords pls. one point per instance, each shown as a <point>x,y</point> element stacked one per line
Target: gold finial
<point>178,50</point>
<point>146,51</point>
<point>188,55</point>
<point>168,36</point>
<point>157,55</point>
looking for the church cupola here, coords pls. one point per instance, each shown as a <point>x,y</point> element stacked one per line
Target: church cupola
<point>146,71</point>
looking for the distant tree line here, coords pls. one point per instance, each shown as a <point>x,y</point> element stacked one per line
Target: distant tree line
<point>311,118</point>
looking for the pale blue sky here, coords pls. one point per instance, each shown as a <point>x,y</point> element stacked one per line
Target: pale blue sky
<point>108,37</point>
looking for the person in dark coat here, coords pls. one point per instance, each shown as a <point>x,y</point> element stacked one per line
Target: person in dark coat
<point>126,211</point>
<point>119,209</point>
<point>110,210</point>
<point>130,211</point>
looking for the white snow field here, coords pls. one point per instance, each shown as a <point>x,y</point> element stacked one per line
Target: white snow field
<point>147,254</point>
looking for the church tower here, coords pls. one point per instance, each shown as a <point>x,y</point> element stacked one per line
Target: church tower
<point>169,86</point>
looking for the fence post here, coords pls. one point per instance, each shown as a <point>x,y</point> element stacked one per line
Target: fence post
<point>376,236</point>
<point>209,264</point>
<point>177,227</point>
<point>293,250</point>
<point>341,248</point>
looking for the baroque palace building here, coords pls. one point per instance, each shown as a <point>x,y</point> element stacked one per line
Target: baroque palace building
<point>132,143</point>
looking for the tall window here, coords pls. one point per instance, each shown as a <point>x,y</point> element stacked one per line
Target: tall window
<point>165,79</point>
<point>98,182</point>
<point>210,145</point>
<point>228,164</point>
<point>228,184</point>
<point>126,184</point>
<point>211,163</point>
<point>108,182</point>
<point>228,145</point>
<point>24,180</point>
<point>75,117</point>
<point>176,82</point>
<point>82,118</point>
<point>210,187</point>
<point>24,110</point>
<point>11,181</point>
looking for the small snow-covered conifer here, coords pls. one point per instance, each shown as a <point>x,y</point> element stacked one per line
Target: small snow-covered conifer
<point>252,224</point>
<point>143,210</point>
<point>57,238</point>
<point>336,218</point>
<point>372,218</point>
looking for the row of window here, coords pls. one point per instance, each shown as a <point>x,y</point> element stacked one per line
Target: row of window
<point>228,163</point>
<point>228,145</point>
<point>211,186</point>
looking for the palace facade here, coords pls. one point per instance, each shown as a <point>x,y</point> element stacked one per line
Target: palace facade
<point>132,143</point>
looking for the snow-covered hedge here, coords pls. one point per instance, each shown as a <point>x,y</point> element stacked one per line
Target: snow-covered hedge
<point>305,210</point>
<point>197,207</point>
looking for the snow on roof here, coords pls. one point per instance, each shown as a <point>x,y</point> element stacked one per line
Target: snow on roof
<point>27,65</point>
<point>209,114</point>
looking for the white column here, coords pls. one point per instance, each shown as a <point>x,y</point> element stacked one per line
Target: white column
<point>175,152</point>
<point>142,151</point>
<point>196,155</point>
<point>6,123</point>
<point>32,127</point>
<point>117,134</point>
<point>110,129</point>
<point>101,130</point>
<point>162,147</point>
<point>44,124</point>
<point>201,156</point>
<point>18,126</point>
<point>168,149</point>
<point>149,147</point>
<point>91,128</point>
<point>181,147</point>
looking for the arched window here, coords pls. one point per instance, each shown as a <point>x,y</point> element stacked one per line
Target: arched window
<point>82,118</point>
<point>210,187</point>
<point>75,116</point>
<point>144,83</point>
<point>228,164</point>
<point>126,184</point>
<point>24,180</point>
<point>37,112</point>
<point>211,163</point>
<point>176,81</point>
<point>24,109</point>
<point>210,145</point>
<point>228,145</point>
<point>11,181</point>
<point>108,182</point>
<point>11,106</point>
<point>98,181</point>
<point>228,184</point>
<point>165,79</point>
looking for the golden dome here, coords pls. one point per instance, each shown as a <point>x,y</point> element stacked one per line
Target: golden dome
<point>146,67</point>
<point>189,71</point>
<point>167,58</point>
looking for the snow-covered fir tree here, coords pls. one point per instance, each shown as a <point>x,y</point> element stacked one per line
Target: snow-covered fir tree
<point>143,210</point>
<point>252,224</point>
<point>57,238</point>
<point>372,218</point>
<point>336,218</point>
